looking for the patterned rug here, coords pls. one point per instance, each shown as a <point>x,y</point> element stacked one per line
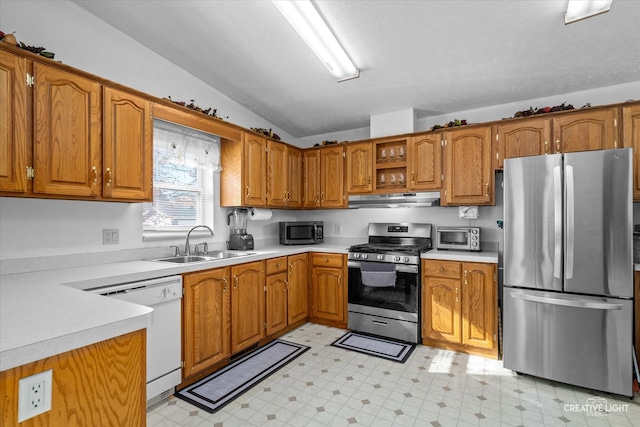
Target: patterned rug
<point>375,346</point>
<point>223,386</point>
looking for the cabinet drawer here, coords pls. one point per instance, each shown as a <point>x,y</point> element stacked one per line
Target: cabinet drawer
<point>276,265</point>
<point>327,260</point>
<point>442,269</point>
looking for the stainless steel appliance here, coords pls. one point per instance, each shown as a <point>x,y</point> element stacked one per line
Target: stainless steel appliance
<point>568,271</point>
<point>301,232</point>
<point>384,280</point>
<point>458,238</point>
<point>239,239</point>
<point>395,200</point>
<point>163,336</point>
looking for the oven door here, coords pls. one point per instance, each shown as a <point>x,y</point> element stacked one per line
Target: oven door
<point>400,301</point>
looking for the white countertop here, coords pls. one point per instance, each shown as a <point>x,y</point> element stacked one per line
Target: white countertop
<point>45,313</point>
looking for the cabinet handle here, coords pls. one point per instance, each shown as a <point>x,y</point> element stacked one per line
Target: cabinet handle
<point>546,147</point>
<point>413,177</point>
<point>456,294</point>
<point>557,145</point>
<point>441,269</point>
<point>486,191</point>
<point>317,196</point>
<point>247,191</point>
<point>465,279</point>
<point>110,175</point>
<point>290,268</point>
<point>226,284</point>
<point>322,196</point>
<point>369,180</point>
<point>95,175</point>
<point>236,279</point>
<point>339,280</point>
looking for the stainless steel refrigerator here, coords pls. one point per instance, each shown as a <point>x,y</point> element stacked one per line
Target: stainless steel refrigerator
<point>568,268</point>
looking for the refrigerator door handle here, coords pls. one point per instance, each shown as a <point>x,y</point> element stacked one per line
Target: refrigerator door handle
<point>566,302</point>
<point>570,221</point>
<point>557,218</point>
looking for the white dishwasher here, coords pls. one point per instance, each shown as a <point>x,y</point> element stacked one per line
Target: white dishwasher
<point>163,336</point>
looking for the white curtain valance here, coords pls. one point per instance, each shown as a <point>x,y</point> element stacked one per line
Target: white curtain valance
<point>189,146</point>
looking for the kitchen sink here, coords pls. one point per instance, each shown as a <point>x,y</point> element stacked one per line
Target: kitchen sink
<point>209,256</point>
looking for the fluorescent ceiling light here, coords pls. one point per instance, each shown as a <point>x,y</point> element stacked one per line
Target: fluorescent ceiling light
<point>306,20</point>
<point>581,9</point>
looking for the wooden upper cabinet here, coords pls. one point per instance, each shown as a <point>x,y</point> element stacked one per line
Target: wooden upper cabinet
<point>468,172</point>
<point>311,178</point>
<point>424,155</point>
<point>332,177</point>
<point>255,170</point>
<point>67,133</point>
<point>128,146</point>
<point>631,132</point>
<point>523,138</point>
<point>13,123</point>
<point>359,167</point>
<point>277,173</point>
<point>294,163</point>
<point>206,319</point>
<point>586,130</point>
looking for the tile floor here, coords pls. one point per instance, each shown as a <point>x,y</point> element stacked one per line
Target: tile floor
<point>328,386</point>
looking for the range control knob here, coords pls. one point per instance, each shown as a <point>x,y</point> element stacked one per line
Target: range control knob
<point>397,258</point>
<point>406,259</point>
<point>380,256</point>
<point>365,256</point>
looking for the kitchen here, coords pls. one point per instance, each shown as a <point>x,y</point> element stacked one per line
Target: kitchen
<point>28,233</point>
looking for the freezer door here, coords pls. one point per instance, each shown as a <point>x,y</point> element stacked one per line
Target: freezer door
<point>584,341</point>
<point>599,223</point>
<point>533,222</point>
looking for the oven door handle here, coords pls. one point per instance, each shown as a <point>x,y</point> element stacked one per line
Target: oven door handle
<point>402,268</point>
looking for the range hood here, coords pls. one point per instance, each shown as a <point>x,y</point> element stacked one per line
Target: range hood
<point>395,200</point>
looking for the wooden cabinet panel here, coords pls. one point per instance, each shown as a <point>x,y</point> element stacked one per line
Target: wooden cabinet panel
<point>298,288</point>
<point>247,305</point>
<point>327,260</point>
<point>328,294</point>
<point>276,265</point>
<point>67,133</point>
<point>631,132</point>
<point>441,320</point>
<point>332,177</point>
<point>206,319</point>
<point>450,269</point>
<point>468,174</point>
<point>128,146</point>
<point>255,170</point>
<point>276,302</point>
<point>13,123</point>
<point>479,306</point>
<point>359,167</point>
<point>587,130</point>
<point>522,138</point>
<point>424,155</point>
<point>311,178</point>
<point>277,173</point>
<point>295,177</point>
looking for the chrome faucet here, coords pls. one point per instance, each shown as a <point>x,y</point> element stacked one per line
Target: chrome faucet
<point>187,250</point>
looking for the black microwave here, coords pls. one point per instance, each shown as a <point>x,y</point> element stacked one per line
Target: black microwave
<point>301,232</point>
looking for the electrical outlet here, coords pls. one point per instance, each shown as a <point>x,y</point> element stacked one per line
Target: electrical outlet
<point>34,395</point>
<point>110,236</point>
<point>338,228</point>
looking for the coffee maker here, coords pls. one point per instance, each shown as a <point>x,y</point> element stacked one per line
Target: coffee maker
<point>239,239</point>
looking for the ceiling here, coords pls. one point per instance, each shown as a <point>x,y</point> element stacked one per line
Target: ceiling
<point>434,56</point>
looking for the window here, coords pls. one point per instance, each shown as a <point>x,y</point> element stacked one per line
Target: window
<point>184,161</point>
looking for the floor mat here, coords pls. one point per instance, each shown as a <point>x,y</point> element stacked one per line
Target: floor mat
<point>375,346</point>
<point>221,387</point>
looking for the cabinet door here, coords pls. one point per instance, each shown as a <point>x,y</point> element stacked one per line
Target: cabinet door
<point>479,305</point>
<point>311,178</point>
<point>332,177</point>
<point>631,129</point>
<point>468,176</point>
<point>425,162</point>
<point>67,133</point>
<point>13,123</point>
<point>255,170</point>
<point>441,309</point>
<point>247,305</point>
<point>206,312</point>
<point>277,174</point>
<point>523,138</point>
<point>327,294</point>
<point>585,131</point>
<point>276,307</point>
<point>127,160</point>
<point>298,288</point>
<point>359,168</point>
<point>295,177</point>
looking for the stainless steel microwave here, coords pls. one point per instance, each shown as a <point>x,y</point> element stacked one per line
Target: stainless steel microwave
<point>301,232</point>
<point>458,238</point>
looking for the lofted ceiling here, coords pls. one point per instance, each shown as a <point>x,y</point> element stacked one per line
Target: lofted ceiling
<point>434,56</point>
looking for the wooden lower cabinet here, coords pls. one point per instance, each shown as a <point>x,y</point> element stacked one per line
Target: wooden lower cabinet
<point>206,311</point>
<point>102,384</point>
<point>297,288</point>
<point>460,306</point>
<point>287,292</point>
<point>247,305</point>
<point>328,289</point>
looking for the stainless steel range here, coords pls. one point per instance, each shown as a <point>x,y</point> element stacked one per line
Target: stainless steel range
<point>384,280</point>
